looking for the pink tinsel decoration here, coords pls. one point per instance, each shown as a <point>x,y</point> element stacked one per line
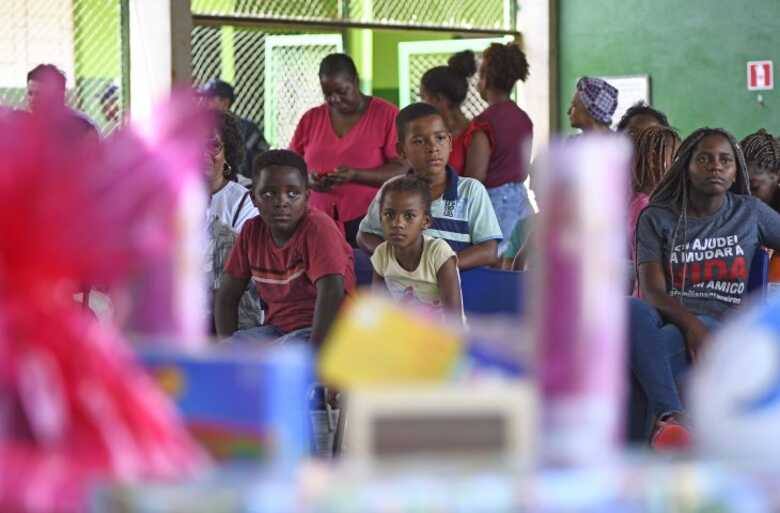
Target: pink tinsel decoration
<point>75,211</point>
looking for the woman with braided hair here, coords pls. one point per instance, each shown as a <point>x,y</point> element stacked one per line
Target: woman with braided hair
<point>762,156</point>
<point>654,148</point>
<point>694,245</point>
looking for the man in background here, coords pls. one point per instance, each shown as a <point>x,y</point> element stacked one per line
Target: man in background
<point>46,93</point>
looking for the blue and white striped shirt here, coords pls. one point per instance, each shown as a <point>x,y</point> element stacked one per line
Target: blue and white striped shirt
<point>463,216</point>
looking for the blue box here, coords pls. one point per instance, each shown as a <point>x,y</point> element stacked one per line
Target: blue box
<point>240,403</point>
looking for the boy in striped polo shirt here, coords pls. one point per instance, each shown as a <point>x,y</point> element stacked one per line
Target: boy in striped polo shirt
<point>461,210</point>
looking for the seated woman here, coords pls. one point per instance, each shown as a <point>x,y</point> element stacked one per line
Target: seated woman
<point>695,243</point>
<point>654,149</point>
<point>348,144</point>
<point>762,156</point>
<point>230,204</point>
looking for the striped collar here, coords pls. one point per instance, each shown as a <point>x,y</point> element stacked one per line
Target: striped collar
<point>451,190</point>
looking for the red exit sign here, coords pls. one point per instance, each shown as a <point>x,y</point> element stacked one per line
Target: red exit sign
<point>760,76</point>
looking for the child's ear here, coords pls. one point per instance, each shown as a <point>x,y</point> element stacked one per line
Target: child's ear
<point>427,222</point>
<point>399,148</point>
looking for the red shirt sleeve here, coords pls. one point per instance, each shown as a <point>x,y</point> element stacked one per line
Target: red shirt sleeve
<point>327,251</point>
<point>301,136</point>
<point>477,126</point>
<point>237,264</point>
<point>389,149</point>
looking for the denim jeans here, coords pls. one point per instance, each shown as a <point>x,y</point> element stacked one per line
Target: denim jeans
<point>659,361</point>
<point>269,335</point>
<point>511,204</point>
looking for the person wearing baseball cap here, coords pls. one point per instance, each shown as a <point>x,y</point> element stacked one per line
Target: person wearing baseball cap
<point>593,105</point>
<point>220,96</point>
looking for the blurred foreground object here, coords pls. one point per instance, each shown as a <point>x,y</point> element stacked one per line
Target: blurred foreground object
<point>579,300</point>
<point>74,406</point>
<point>735,390</point>
<point>374,341</point>
<point>488,423</point>
<point>241,403</point>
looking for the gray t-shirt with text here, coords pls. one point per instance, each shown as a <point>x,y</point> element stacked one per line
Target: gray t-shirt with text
<point>710,258</point>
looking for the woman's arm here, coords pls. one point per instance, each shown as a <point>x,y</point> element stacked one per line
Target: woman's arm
<point>330,294</point>
<point>652,284</point>
<point>226,304</point>
<point>479,255</point>
<point>373,177</point>
<point>449,287</point>
<point>477,157</point>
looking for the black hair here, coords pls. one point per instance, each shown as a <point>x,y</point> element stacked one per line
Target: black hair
<point>232,142</point>
<point>42,71</point>
<point>338,63</point>
<point>410,113</point>
<point>763,150</point>
<point>280,158</point>
<point>408,183</point>
<point>504,65</point>
<point>451,81</point>
<point>641,109</point>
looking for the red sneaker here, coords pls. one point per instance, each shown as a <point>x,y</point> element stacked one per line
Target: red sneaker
<point>670,435</point>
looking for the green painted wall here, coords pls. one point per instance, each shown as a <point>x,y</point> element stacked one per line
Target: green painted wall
<point>385,57</point>
<point>695,52</point>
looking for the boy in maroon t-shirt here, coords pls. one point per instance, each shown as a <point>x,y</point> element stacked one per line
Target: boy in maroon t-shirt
<point>296,257</point>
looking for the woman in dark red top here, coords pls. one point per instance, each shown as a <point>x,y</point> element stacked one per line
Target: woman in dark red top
<point>512,129</point>
<point>445,87</point>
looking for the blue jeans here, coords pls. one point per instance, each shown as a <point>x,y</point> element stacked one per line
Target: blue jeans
<point>269,335</point>
<point>511,204</point>
<point>659,361</point>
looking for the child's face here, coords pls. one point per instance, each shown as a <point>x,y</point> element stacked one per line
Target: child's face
<point>281,195</point>
<point>403,218</point>
<point>426,146</point>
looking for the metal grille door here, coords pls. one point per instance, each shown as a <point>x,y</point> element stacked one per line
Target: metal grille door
<point>291,82</point>
<point>415,58</point>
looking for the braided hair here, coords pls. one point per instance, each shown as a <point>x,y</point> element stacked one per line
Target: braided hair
<point>672,191</point>
<point>655,149</point>
<point>762,150</point>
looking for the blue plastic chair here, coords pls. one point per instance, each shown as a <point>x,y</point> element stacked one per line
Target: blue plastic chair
<point>364,271</point>
<point>759,273</point>
<point>492,291</point>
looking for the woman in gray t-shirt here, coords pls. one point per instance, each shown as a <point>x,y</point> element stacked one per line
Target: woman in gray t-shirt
<point>694,246</point>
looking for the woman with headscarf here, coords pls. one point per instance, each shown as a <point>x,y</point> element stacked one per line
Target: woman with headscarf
<point>593,105</point>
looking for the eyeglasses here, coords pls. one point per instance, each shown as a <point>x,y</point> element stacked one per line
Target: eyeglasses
<point>214,147</point>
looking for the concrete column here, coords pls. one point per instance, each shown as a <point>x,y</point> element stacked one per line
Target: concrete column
<point>538,23</point>
<point>160,51</point>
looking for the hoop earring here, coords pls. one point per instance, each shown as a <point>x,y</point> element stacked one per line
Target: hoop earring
<point>227,170</point>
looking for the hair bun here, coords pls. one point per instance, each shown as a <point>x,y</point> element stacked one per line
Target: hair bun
<point>463,63</point>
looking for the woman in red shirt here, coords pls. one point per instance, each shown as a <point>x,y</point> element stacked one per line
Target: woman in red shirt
<point>446,87</point>
<point>348,144</point>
